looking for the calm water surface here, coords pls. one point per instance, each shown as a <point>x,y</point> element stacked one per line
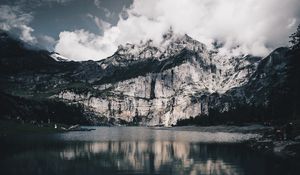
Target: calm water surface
<point>135,150</point>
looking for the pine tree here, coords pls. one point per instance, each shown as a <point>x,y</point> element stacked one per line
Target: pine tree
<point>295,39</point>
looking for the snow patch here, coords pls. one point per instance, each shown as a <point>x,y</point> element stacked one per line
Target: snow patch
<point>58,57</point>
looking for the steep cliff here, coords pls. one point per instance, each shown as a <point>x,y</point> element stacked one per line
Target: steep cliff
<point>159,85</point>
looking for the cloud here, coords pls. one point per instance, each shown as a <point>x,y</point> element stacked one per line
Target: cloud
<point>15,20</point>
<point>81,45</point>
<point>101,24</point>
<point>107,12</point>
<point>12,18</point>
<point>26,34</point>
<point>97,3</point>
<point>243,27</point>
<point>46,42</point>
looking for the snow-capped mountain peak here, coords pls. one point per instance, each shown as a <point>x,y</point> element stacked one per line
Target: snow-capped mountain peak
<point>138,51</point>
<point>170,45</point>
<point>177,43</point>
<point>217,72</point>
<point>57,57</point>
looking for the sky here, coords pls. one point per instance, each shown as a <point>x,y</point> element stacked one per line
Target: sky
<point>93,29</point>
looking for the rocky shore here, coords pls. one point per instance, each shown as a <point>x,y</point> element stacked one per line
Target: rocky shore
<point>278,141</point>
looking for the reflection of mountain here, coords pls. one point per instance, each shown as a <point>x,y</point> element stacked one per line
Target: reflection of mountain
<point>143,156</point>
<point>157,157</point>
<point>141,151</point>
<point>131,157</point>
<point>134,157</point>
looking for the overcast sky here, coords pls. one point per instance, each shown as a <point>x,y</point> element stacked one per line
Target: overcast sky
<point>92,29</point>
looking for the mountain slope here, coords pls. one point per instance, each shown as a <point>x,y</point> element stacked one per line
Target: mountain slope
<point>159,88</point>
<point>149,84</point>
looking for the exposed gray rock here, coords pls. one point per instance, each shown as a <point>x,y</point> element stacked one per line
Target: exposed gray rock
<point>173,89</point>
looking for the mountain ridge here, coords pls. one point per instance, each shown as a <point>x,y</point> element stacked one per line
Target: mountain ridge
<point>147,85</point>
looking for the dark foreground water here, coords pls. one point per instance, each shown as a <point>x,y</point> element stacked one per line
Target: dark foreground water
<point>135,150</point>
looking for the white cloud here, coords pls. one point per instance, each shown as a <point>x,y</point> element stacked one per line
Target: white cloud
<point>15,20</point>
<point>245,27</point>
<point>12,18</point>
<point>26,34</point>
<point>101,24</point>
<point>82,45</point>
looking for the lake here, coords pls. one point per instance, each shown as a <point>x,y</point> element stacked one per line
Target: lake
<point>136,150</point>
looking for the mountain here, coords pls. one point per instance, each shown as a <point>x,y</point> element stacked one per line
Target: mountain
<point>179,81</point>
<point>157,85</point>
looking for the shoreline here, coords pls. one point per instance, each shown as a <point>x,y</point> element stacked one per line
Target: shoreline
<point>264,143</point>
<point>288,149</point>
<point>8,128</point>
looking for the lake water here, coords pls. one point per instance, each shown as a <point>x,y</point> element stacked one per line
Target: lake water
<point>135,150</point>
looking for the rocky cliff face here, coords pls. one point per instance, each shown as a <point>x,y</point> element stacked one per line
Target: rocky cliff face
<point>181,70</point>
<point>149,84</point>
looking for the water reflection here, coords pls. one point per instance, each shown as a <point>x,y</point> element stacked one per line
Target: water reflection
<point>160,156</point>
<point>131,151</point>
